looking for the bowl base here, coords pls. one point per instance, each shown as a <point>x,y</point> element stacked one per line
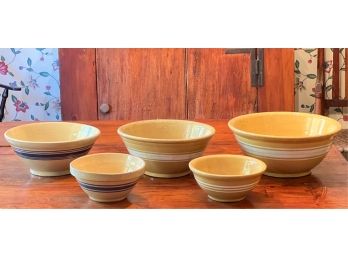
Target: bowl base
<point>226,200</point>
<point>107,200</point>
<point>167,175</point>
<point>49,173</point>
<point>288,175</point>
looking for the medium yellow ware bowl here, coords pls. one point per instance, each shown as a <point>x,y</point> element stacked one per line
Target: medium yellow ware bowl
<point>227,177</point>
<point>167,146</point>
<point>290,143</point>
<point>47,148</point>
<point>107,177</point>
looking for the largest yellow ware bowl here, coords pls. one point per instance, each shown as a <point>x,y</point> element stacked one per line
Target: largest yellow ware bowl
<point>47,148</point>
<point>290,143</point>
<point>166,146</point>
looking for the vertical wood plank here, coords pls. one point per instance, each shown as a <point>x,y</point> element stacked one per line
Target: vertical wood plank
<point>346,75</point>
<point>277,93</point>
<point>78,83</point>
<point>219,84</point>
<point>142,83</point>
<point>336,74</point>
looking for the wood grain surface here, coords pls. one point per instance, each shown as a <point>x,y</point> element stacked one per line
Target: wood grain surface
<point>277,93</point>
<point>219,85</point>
<point>78,83</point>
<point>142,83</point>
<point>327,187</point>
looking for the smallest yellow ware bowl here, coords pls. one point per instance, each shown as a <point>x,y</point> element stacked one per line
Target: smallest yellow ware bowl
<point>226,177</point>
<point>107,177</point>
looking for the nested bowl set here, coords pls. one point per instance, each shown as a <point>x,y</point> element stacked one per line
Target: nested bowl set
<point>278,144</point>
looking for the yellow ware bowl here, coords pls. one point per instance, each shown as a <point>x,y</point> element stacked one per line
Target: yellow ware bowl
<point>167,146</point>
<point>290,143</point>
<point>227,177</point>
<point>47,148</point>
<point>107,177</point>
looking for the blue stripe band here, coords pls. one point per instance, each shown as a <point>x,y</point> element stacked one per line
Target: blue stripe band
<point>107,189</point>
<point>52,155</point>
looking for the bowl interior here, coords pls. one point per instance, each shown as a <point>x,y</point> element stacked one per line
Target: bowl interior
<point>51,132</point>
<point>167,129</point>
<point>290,124</point>
<point>228,165</point>
<point>107,163</point>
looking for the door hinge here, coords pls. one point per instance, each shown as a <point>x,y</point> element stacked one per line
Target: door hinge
<point>256,63</point>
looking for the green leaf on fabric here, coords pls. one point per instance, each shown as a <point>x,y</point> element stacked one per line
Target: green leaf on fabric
<point>47,93</point>
<point>297,64</point>
<point>312,108</point>
<point>339,110</point>
<point>11,74</point>
<point>30,69</point>
<point>47,105</point>
<point>311,76</point>
<point>297,72</point>
<point>14,99</point>
<point>310,50</point>
<point>312,95</point>
<point>44,74</point>
<point>13,50</point>
<point>27,90</point>
<point>32,117</point>
<point>29,62</point>
<point>22,83</point>
<point>2,58</point>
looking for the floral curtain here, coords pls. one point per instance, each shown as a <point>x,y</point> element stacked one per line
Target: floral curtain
<point>305,79</point>
<point>36,71</point>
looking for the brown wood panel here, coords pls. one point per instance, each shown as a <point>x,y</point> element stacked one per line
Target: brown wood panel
<point>78,83</point>
<point>336,74</point>
<point>327,187</point>
<point>219,84</point>
<point>142,83</point>
<point>277,93</point>
<point>346,75</point>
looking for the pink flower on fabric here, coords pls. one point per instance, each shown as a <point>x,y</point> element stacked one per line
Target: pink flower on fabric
<point>3,68</point>
<point>21,106</point>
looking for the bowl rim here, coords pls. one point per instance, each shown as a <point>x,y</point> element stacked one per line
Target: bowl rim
<point>105,175</point>
<point>95,135</point>
<point>238,156</point>
<point>237,131</point>
<point>164,140</point>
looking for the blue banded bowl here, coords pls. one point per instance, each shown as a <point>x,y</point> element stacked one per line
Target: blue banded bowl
<point>107,177</point>
<point>47,148</point>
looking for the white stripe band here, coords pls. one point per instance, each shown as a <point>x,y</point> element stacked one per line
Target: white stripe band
<point>164,157</point>
<point>226,189</point>
<point>286,153</point>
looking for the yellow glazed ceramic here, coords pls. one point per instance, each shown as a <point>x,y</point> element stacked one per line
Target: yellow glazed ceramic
<point>107,177</point>
<point>167,146</point>
<point>226,177</point>
<point>48,147</point>
<point>290,143</point>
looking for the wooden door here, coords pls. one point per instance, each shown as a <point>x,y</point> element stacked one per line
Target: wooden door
<point>172,83</point>
<point>141,83</point>
<point>219,84</point>
<point>78,84</point>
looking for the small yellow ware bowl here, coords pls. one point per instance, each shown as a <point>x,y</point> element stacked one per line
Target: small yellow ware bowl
<point>47,148</point>
<point>107,177</point>
<point>290,143</point>
<point>167,146</point>
<point>227,177</point>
